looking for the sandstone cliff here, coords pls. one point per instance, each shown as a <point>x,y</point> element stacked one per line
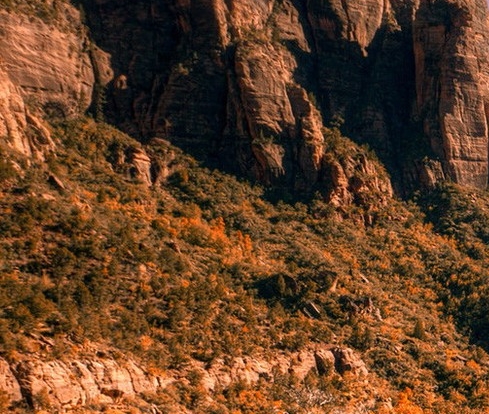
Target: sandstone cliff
<point>452,77</point>
<point>49,70</point>
<point>253,82</point>
<point>100,378</point>
<point>248,85</point>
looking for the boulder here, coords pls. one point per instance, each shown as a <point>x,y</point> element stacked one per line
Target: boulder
<point>325,361</point>
<point>141,165</point>
<point>346,360</point>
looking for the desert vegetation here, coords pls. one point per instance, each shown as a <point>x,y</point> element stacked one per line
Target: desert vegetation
<point>201,267</point>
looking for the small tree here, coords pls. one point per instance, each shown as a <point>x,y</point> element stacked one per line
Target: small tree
<point>419,330</point>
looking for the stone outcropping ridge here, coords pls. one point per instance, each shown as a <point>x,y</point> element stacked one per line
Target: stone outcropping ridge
<point>70,383</point>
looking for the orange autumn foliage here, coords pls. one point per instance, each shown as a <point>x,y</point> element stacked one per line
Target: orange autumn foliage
<point>405,405</point>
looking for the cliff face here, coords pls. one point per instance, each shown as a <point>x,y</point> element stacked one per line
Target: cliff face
<point>48,70</point>
<point>251,83</point>
<point>451,52</point>
<point>248,85</point>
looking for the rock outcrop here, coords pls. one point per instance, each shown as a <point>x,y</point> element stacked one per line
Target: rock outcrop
<point>48,70</point>
<point>8,382</point>
<point>324,360</point>
<point>101,379</point>
<point>20,129</point>
<point>77,382</point>
<point>345,360</point>
<point>141,165</point>
<point>248,85</point>
<point>51,66</point>
<point>350,177</point>
<point>13,122</point>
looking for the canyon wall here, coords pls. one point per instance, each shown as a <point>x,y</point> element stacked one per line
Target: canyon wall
<point>249,86</point>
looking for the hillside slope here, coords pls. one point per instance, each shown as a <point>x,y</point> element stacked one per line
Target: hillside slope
<point>197,295</point>
<point>223,247</point>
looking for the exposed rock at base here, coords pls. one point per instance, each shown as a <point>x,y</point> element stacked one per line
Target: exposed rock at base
<point>141,165</point>
<point>8,382</point>
<point>352,178</point>
<point>345,360</point>
<point>302,363</point>
<point>325,361</point>
<point>79,382</point>
<point>224,373</point>
<point>98,378</point>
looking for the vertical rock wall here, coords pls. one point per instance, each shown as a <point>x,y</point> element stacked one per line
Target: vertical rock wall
<point>451,46</point>
<point>46,72</point>
<point>249,85</point>
<point>253,82</point>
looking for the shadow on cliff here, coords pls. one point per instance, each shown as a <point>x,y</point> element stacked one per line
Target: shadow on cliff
<point>169,72</point>
<point>373,91</point>
<point>173,81</point>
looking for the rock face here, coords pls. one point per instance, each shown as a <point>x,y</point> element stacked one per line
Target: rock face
<point>345,360</point>
<point>13,121</point>
<point>452,77</point>
<point>8,382</point>
<point>75,383</point>
<point>48,69</point>
<point>248,84</point>
<point>52,67</point>
<point>20,129</point>
<point>324,360</point>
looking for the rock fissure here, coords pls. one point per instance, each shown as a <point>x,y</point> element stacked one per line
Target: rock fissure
<point>349,27</point>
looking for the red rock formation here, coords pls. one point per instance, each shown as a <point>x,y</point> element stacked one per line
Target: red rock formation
<point>50,64</point>
<point>242,82</point>
<point>452,77</point>
<point>249,84</point>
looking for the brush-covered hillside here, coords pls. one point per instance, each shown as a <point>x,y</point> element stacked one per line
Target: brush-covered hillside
<point>244,207</point>
<point>197,295</point>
